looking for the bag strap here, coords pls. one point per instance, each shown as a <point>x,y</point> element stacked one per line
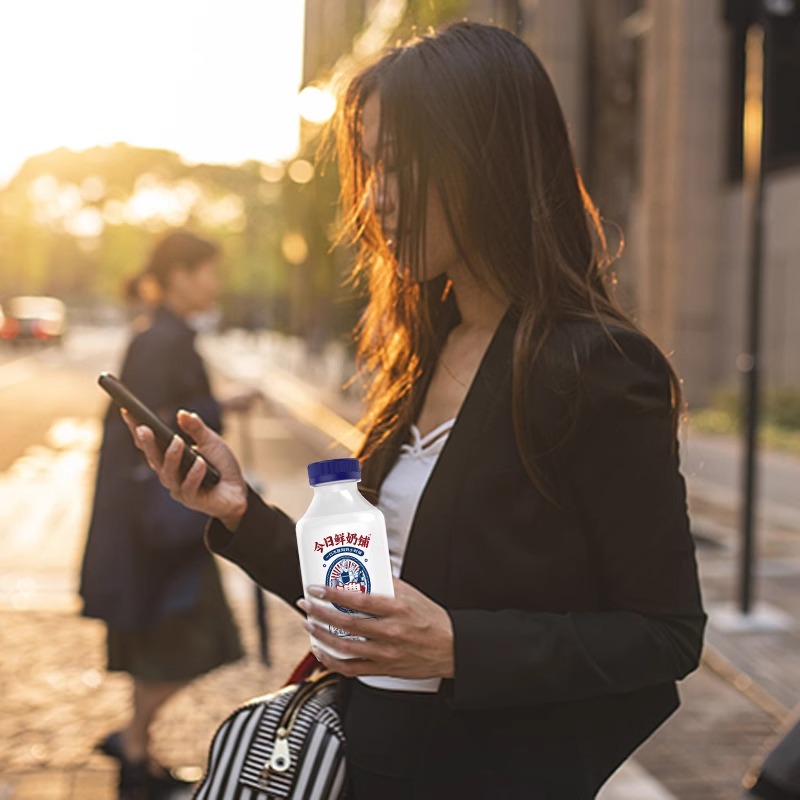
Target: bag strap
<point>304,670</point>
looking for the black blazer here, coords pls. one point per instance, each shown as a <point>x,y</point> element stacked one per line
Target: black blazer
<point>572,622</point>
<point>130,577</point>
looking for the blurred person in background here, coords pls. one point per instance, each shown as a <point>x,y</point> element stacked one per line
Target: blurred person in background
<point>778,777</point>
<point>520,438</point>
<point>142,296</point>
<point>146,572</point>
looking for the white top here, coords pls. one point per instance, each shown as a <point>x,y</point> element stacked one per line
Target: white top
<point>399,496</point>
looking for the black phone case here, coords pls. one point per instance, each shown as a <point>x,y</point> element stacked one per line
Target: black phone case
<point>124,398</point>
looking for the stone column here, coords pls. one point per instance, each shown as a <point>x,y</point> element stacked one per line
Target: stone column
<point>681,213</point>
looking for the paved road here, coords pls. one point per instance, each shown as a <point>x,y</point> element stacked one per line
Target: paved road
<point>713,466</point>
<point>56,700</point>
<point>38,387</point>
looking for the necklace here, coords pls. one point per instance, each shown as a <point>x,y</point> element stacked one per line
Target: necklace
<point>452,374</point>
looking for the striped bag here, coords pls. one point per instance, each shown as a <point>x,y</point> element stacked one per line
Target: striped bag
<point>289,744</point>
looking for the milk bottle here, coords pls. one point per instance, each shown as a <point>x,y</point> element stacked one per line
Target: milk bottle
<point>341,539</point>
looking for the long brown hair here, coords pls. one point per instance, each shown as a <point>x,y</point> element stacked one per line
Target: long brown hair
<point>471,109</point>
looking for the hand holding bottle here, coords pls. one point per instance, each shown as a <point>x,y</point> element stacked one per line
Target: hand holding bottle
<point>405,636</point>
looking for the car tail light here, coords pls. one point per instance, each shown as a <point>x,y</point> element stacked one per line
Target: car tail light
<point>45,329</point>
<point>10,329</point>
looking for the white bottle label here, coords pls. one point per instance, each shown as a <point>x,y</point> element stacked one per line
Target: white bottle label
<point>349,559</point>
<point>345,560</point>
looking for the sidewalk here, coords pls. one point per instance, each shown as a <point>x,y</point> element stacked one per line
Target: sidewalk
<point>57,699</point>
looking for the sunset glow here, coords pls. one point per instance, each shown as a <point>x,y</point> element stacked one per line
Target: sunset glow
<point>215,82</point>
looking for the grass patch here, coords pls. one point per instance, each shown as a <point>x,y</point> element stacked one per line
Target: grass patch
<point>779,427</point>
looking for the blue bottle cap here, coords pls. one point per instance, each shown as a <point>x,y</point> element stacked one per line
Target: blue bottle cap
<point>334,469</point>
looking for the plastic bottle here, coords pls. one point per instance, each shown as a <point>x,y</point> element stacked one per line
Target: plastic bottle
<point>341,539</point>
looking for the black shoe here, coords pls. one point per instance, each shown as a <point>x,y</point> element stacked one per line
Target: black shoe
<point>767,790</point>
<point>134,781</point>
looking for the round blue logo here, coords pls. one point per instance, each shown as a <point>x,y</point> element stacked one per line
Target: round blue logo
<point>348,574</point>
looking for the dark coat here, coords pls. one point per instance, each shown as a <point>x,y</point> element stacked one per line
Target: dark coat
<point>133,575</point>
<point>572,622</point>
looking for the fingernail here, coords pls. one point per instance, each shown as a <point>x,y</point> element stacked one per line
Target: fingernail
<point>303,604</point>
<point>309,627</point>
<point>173,445</point>
<point>316,591</point>
<point>140,431</point>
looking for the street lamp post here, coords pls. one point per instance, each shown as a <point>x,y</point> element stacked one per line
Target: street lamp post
<point>759,62</point>
<point>749,362</point>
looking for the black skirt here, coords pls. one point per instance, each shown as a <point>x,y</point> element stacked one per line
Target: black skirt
<point>182,646</point>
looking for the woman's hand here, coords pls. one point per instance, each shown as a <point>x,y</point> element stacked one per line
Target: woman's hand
<point>227,500</point>
<point>411,637</point>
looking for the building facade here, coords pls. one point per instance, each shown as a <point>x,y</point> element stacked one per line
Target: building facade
<point>648,88</point>
<point>687,233</point>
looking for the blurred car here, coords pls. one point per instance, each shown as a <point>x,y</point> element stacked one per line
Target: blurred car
<point>34,319</point>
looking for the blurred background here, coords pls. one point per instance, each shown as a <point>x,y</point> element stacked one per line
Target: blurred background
<point>121,121</point>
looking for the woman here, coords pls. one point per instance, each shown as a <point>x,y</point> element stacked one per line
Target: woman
<point>548,597</point>
<point>146,571</point>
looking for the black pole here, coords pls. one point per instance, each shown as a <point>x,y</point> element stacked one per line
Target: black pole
<point>261,611</point>
<point>750,361</point>
<point>262,626</point>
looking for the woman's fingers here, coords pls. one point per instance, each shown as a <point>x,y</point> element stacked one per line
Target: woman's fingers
<point>172,456</point>
<point>166,465</point>
<point>199,432</point>
<point>194,478</point>
<point>227,500</point>
<point>376,605</point>
<point>410,635</point>
<point>210,444</point>
<point>128,420</point>
<point>358,658</point>
<point>327,615</point>
<point>349,667</point>
<point>349,648</point>
<point>143,439</point>
<point>133,426</point>
<point>146,442</point>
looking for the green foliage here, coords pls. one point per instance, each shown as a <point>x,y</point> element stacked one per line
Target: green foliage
<point>784,408</point>
<point>779,423</point>
<point>424,14</point>
<point>79,224</point>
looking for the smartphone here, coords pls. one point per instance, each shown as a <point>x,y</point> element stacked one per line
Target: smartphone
<point>124,398</point>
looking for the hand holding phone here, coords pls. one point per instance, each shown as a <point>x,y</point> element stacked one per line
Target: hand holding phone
<point>124,398</point>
